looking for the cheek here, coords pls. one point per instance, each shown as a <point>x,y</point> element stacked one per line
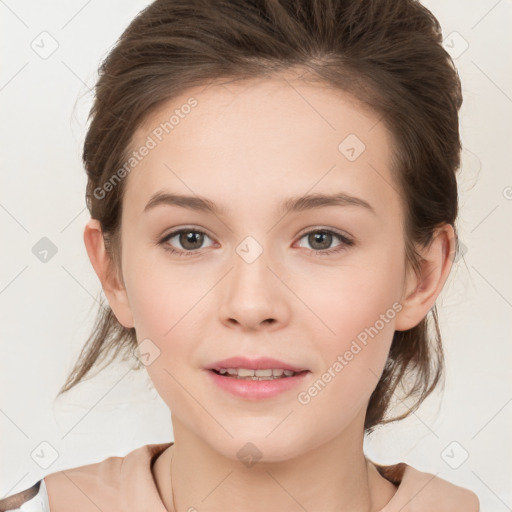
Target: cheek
<point>162,296</point>
<point>364,321</point>
<point>166,304</point>
<point>354,358</point>
<point>353,363</point>
<point>358,303</point>
<point>354,336</point>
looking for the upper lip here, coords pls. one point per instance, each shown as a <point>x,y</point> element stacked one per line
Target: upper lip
<point>261,363</point>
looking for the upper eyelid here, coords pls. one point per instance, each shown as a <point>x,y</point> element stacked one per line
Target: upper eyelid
<point>175,232</point>
<point>308,230</point>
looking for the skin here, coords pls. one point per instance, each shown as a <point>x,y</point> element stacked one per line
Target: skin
<point>248,146</point>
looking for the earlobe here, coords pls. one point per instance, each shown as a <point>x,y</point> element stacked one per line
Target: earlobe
<point>101,262</point>
<point>421,291</point>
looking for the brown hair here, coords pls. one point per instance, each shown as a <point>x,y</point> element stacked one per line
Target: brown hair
<point>386,53</point>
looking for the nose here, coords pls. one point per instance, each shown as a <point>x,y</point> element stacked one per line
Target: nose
<point>253,296</point>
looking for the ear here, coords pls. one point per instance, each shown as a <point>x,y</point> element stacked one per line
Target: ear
<point>421,291</point>
<point>101,262</point>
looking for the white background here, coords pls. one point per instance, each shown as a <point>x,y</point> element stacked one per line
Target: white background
<point>48,308</point>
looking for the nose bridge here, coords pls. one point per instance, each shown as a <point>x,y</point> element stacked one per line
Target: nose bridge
<point>252,295</point>
<point>250,273</point>
<point>250,250</point>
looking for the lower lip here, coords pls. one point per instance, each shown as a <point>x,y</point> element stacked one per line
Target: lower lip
<point>256,389</point>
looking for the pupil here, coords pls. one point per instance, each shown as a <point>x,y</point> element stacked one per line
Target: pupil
<point>188,238</point>
<point>314,238</point>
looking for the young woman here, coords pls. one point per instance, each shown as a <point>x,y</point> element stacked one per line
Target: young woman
<point>273,201</point>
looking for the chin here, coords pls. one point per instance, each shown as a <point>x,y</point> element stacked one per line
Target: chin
<point>250,450</point>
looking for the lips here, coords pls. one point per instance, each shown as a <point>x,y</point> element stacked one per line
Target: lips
<point>262,363</point>
<point>249,389</point>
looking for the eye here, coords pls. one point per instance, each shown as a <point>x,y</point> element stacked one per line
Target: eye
<point>322,239</point>
<point>190,239</point>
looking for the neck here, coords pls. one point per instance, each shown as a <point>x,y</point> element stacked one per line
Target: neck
<point>332,477</point>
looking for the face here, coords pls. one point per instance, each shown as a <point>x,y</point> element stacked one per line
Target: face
<point>317,286</point>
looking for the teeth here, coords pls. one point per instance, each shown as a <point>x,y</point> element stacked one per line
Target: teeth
<point>242,372</point>
<point>266,374</point>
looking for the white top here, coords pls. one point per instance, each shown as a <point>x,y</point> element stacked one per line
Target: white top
<point>38,503</point>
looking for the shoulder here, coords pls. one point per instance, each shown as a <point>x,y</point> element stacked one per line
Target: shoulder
<point>419,491</point>
<point>90,487</point>
<point>106,485</point>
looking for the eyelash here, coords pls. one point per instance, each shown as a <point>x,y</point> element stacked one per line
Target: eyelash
<point>346,242</point>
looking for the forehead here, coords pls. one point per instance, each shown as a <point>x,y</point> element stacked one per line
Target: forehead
<point>254,135</point>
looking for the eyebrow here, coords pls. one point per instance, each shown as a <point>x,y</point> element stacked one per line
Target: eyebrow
<point>293,204</point>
